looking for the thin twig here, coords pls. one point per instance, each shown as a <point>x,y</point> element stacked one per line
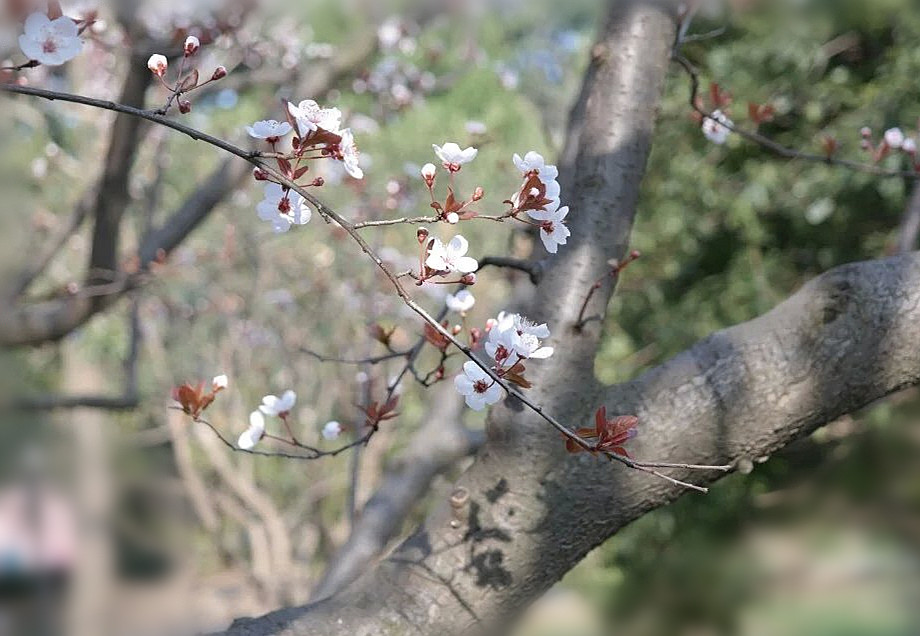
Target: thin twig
<point>776,148</point>
<point>534,269</point>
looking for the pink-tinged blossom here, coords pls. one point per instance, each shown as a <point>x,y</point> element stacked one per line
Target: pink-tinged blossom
<point>51,42</point>
<point>158,64</point>
<point>273,405</point>
<point>451,257</point>
<point>894,138</point>
<point>478,389</point>
<point>461,302</point>
<point>332,430</point>
<point>350,155</point>
<point>254,434</point>
<point>192,44</point>
<point>533,162</point>
<point>512,336</point>
<point>310,117</point>
<point>269,129</point>
<point>453,157</point>
<point>553,231</point>
<point>716,127</point>
<point>283,208</point>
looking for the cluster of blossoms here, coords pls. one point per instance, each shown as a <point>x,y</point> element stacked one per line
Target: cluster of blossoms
<point>512,339</point>
<point>279,407</point>
<point>536,203</point>
<point>188,79</point>
<point>893,140</point>
<point>539,199</point>
<point>317,134</point>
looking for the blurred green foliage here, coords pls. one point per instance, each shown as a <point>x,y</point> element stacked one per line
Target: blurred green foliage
<point>726,232</point>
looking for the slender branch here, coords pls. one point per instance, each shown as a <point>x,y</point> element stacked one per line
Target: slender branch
<point>774,147</point>
<point>373,360</point>
<point>534,269</point>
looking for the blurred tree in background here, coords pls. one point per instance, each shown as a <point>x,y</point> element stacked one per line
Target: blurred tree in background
<point>726,232</point>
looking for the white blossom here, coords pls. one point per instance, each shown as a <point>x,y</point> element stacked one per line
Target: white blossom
<point>553,232</point>
<point>534,162</point>
<point>220,382</point>
<point>894,137</point>
<point>158,64</point>
<point>332,430</point>
<point>512,336</point>
<point>252,435</point>
<point>909,146</point>
<point>453,157</point>
<point>310,117</point>
<point>273,405</point>
<point>477,387</point>
<point>283,208</point>
<point>716,127</point>
<point>476,128</point>
<point>461,302</point>
<point>51,42</point>
<point>269,129</point>
<point>350,155</point>
<point>451,257</point>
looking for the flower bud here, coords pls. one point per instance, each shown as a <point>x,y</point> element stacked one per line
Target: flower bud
<point>422,235</point>
<point>219,73</point>
<point>259,175</point>
<point>457,330</point>
<point>478,193</point>
<point>158,64</point>
<point>319,182</point>
<point>453,218</point>
<point>192,44</point>
<point>469,279</point>
<point>185,106</point>
<point>429,172</point>
<point>866,132</point>
<point>909,146</point>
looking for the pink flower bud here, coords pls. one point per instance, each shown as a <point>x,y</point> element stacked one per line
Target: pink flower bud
<point>185,106</point>
<point>192,44</point>
<point>429,172</point>
<point>158,64</point>
<point>478,193</point>
<point>866,132</point>
<point>259,175</point>
<point>319,182</point>
<point>422,235</point>
<point>219,73</point>
<point>469,279</point>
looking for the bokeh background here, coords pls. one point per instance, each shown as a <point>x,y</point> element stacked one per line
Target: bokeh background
<point>821,539</point>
